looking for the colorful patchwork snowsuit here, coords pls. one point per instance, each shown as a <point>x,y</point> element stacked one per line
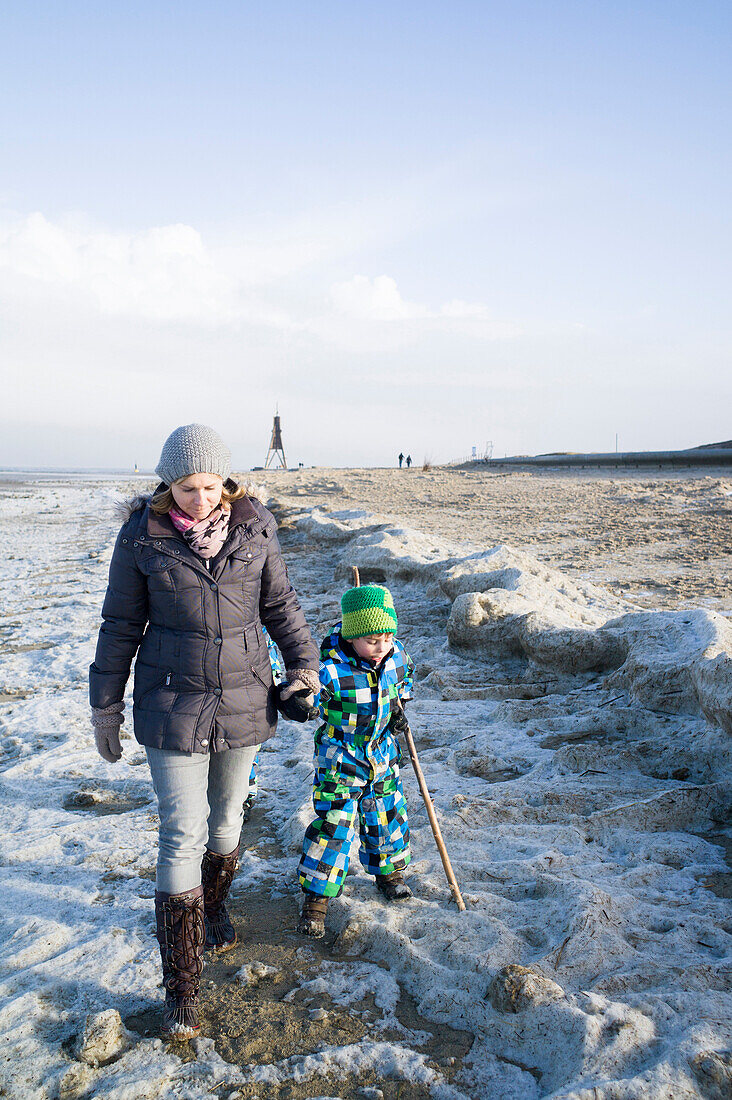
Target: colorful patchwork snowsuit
<point>278,675</point>
<point>356,768</point>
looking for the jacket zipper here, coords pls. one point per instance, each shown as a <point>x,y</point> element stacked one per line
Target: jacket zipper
<point>256,676</point>
<point>164,682</point>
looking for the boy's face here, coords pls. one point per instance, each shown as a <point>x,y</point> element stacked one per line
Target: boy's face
<point>373,647</point>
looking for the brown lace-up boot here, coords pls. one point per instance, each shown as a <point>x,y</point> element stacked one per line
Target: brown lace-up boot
<point>217,872</point>
<point>180,932</point>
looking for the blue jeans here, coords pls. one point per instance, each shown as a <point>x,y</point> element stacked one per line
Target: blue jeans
<point>200,800</point>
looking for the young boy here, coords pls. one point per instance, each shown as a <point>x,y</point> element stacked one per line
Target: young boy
<point>365,674</point>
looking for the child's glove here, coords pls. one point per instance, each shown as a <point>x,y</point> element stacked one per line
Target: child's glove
<point>298,707</point>
<point>295,698</point>
<point>398,722</point>
<point>106,722</point>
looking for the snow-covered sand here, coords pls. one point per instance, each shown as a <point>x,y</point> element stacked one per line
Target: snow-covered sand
<point>576,741</point>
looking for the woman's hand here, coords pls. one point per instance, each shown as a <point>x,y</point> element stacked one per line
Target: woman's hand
<point>106,722</point>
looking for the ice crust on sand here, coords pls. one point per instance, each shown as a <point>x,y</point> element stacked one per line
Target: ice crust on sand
<point>335,527</point>
<point>570,741</point>
<point>677,661</point>
<point>538,588</point>
<point>505,601</point>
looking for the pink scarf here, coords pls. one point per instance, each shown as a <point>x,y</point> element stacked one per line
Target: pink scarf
<point>204,536</point>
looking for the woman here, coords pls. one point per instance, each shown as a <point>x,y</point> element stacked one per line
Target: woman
<point>195,575</point>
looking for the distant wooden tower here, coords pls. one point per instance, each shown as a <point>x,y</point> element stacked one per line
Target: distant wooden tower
<point>276,450</point>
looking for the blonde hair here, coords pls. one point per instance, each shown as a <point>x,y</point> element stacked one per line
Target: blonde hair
<point>163,501</point>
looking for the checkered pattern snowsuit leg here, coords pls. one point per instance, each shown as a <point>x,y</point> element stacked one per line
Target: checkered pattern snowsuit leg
<point>356,771</point>
<point>278,676</point>
<point>355,789</point>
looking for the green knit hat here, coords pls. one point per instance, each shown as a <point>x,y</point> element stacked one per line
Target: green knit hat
<point>368,609</point>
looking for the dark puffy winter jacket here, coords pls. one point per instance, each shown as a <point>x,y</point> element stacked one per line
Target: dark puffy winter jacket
<point>203,680</point>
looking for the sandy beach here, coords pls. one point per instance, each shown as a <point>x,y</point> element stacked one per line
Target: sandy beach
<point>573,712</point>
<point>662,540</point>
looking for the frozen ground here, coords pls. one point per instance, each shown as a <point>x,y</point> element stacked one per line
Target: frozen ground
<point>577,743</point>
<point>661,538</point>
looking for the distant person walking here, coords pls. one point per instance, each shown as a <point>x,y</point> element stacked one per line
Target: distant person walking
<point>195,574</point>
<point>401,459</point>
<point>409,461</point>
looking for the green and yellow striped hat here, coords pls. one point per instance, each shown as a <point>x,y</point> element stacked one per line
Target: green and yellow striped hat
<point>368,609</point>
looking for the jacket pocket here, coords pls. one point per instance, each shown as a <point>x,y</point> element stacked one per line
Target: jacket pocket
<point>245,565</point>
<point>156,563</point>
<point>162,681</point>
<point>247,556</point>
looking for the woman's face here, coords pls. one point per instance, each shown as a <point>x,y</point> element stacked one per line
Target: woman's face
<point>198,494</point>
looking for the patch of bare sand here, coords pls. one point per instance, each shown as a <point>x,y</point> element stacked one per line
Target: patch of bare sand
<point>661,539</point>
<point>265,1021</point>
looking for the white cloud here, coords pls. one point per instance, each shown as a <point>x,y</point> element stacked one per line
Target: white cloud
<point>163,274</point>
<point>170,275</point>
<point>379,301</point>
<point>166,274</point>
<point>374,299</point>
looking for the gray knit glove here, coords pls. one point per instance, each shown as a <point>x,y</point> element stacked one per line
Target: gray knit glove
<point>299,679</point>
<point>107,722</point>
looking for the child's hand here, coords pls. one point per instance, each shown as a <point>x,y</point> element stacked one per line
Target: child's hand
<point>398,722</point>
<point>298,705</point>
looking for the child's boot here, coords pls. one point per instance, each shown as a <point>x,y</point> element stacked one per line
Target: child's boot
<point>312,917</point>
<point>393,886</point>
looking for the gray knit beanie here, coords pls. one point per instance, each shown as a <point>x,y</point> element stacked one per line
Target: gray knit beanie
<point>193,449</point>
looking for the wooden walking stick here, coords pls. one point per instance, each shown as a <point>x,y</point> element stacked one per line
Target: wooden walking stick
<point>423,790</point>
<point>449,873</point>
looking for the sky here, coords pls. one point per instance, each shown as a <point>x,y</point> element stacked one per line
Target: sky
<point>406,226</point>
